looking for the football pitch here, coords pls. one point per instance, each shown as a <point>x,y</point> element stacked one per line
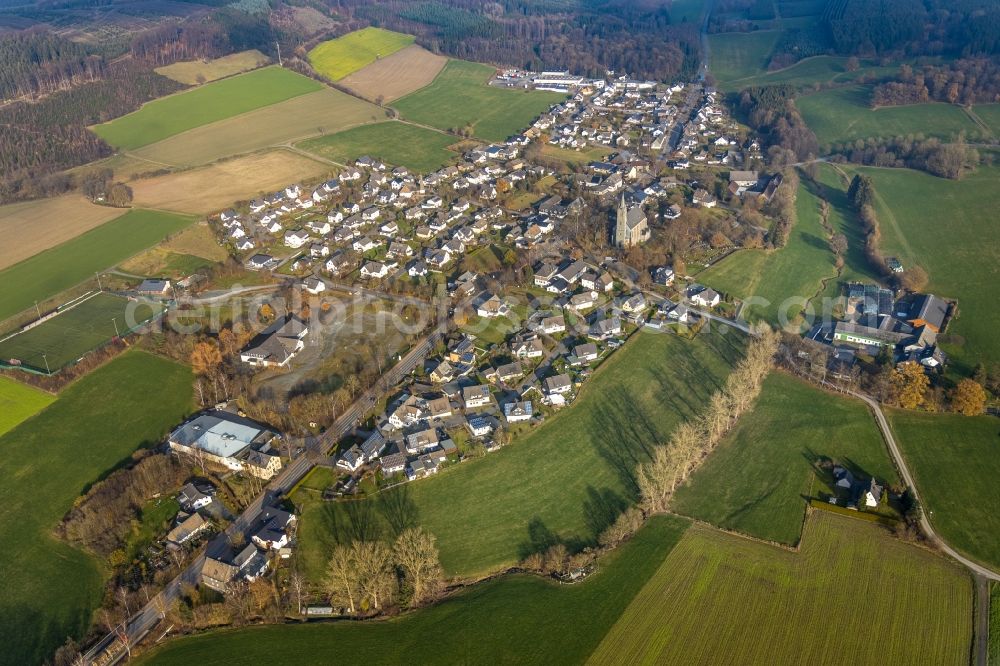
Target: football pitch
<point>80,329</point>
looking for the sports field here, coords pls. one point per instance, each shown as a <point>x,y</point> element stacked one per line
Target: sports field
<point>526,619</point>
<point>194,72</point>
<point>397,143</point>
<point>567,479</point>
<point>53,271</point>
<point>212,102</point>
<point>19,402</point>
<point>51,588</point>
<point>771,277</point>
<point>321,112</point>
<point>337,58</point>
<point>30,227</point>
<point>851,590</point>
<point>459,98</point>
<point>405,71</point>
<point>955,466</point>
<point>758,479</point>
<point>210,188</point>
<point>947,227</point>
<point>738,55</point>
<point>80,329</point>
<point>843,114</point>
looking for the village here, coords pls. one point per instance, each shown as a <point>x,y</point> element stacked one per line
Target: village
<point>513,352</point>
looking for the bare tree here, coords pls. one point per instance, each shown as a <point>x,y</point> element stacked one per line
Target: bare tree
<point>375,575</point>
<point>342,577</point>
<point>416,552</point>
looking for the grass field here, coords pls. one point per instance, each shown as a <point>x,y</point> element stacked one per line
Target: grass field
<point>943,226</point>
<point>851,589</point>
<point>50,587</point>
<point>994,653</point>
<point>955,466</point>
<point>842,114</point>
<point>194,72</point>
<point>339,57</point>
<point>989,114</point>
<point>757,480</point>
<point>516,620</point>
<point>565,480</point>
<point>685,11</point>
<point>397,143</point>
<point>321,112</point>
<point>30,227</point>
<point>214,187</point>
<point>48,273</point>
<point>68,336</point>
<point>405,71</point>
<point>212,102</point>
<point>19,402</point>
<point>770,277</point>
<point>806,72</point>
<point>459,97</point>
<point>738,55</point>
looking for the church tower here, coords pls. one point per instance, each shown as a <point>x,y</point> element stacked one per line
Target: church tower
<point>621,223</point>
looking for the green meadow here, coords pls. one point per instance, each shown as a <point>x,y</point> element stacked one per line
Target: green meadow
<point>843,114</point>
<point>214,101</point>
<point>459,97</point>
<point>397,143</point>
<point>19,402</point>
<point>759,477</point>
<point>51,588</point>
<point>955,466</point>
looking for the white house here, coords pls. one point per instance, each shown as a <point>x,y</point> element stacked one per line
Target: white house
<point>474,397</point>
<point>296,238</point>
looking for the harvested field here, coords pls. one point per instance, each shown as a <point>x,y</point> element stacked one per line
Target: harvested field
<point>322,112</point>
<point>721,599</point>
<point>30,227</point>
<point>195,72</point>
<point>400,74</point>
<point>207,189</point>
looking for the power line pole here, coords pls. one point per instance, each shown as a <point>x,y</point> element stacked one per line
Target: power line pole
<point>99,281</point>
<point>46,359</point>
<point>278,44</point>
<point>38,310</point>
<point>116,326</point>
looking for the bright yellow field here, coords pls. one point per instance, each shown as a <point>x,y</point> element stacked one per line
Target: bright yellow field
<point>322,112</point>
<point>29,227</point>
<point>339,57</point>
<point>851,590</point>
<point>193,72</point>
<point>207,189</point>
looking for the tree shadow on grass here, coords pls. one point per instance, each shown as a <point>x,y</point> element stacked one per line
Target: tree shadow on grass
<point>354,520</point>
<point>601,508</point>
<point>623,434</point>
<point>398,509</point>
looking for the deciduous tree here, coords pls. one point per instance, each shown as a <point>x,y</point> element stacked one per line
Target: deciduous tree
<point>416,553</point>
<point>910,384</point>
<point>968,398</point>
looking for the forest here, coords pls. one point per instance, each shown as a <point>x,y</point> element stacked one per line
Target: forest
<point>770,110</point>
<point>588,38</point>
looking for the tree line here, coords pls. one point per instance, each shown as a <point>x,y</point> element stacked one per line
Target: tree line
<point>966,81</point>
<point>945,160</point>
<point>674,462</point>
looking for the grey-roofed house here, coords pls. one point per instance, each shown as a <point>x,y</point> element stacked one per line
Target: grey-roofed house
<point>222,438</point>
<point>276,345</point>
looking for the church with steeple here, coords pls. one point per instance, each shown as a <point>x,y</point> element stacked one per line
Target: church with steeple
<point>631,227</point>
